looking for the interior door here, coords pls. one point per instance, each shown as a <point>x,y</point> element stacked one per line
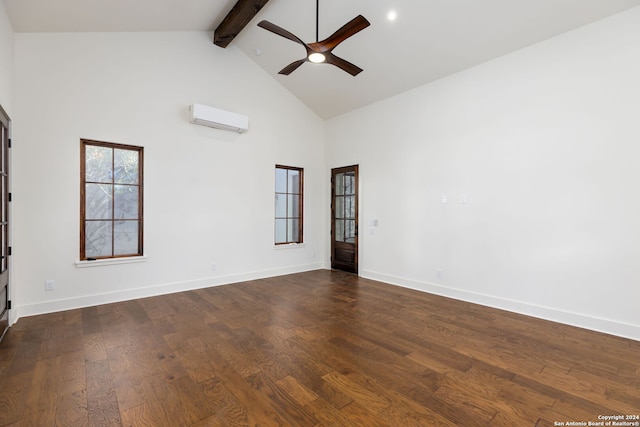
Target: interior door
<point>344,219</point>
<point>4,222</point>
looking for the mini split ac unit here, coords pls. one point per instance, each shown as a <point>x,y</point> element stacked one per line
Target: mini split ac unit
<point>216,118</point>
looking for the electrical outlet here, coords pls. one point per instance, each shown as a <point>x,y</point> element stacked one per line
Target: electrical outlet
<point>214,267</point>
<point>439,273</point>
<point>49,285</point>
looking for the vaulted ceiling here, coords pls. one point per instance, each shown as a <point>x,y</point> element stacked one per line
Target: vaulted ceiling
<point>428,39</point>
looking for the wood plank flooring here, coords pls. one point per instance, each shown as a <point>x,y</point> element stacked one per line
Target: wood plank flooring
<point>322,348</point>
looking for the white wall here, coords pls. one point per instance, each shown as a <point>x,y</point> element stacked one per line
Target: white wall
<point>6,61</point>
<point>545,144</point>
<point>208,193</point>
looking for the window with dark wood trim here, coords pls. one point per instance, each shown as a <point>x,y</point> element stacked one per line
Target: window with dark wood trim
<point>288,205</point>
<point>111,200</point>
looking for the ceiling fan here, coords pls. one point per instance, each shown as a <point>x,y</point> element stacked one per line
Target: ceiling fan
<point>321,51</point>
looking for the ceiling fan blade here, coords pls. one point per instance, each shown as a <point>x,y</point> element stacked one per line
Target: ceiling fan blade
<point>357,24</point>
<point>281,32</point>
<point>292,67</point>
<point>347,66</point>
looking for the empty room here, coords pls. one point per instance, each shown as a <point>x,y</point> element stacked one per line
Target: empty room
<point>319,213</point>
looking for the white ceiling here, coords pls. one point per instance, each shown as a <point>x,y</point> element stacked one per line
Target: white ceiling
<point>429,39</point>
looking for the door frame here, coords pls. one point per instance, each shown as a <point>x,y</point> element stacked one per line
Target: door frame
<point>5,251</point>
<point>336,245</point>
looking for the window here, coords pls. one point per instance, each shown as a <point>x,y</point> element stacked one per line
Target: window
<point>111,200</point>
<point>289,181</point>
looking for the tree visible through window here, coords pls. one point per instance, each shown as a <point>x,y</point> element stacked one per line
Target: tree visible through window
<point>288,205</point>
<point>111,200</point>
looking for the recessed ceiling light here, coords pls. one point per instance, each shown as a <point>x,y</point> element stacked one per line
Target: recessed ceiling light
<point>392,15</point>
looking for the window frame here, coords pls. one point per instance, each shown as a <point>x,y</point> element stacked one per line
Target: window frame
<point>287,218</point>
<point>83,206</point>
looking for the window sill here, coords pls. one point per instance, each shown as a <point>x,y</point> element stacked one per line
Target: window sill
<point>289,246</point>
<point>111,261</point>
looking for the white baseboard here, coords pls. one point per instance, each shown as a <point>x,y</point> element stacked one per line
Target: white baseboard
<point>580,320</point>
<point>150,291</point>
<point>570,318</point>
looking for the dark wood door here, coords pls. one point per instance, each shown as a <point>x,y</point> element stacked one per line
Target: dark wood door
<point>344,219</point>
<point>4,222</point>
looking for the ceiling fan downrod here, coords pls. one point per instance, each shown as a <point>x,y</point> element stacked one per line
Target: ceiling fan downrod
<point>317,19</point>
<point>317,57</point>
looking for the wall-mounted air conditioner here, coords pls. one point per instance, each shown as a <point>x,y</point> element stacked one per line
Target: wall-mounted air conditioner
<point>217,118</point>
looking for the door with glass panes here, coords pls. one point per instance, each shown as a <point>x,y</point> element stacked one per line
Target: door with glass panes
<point>4,222</point>
<point>344,218</point>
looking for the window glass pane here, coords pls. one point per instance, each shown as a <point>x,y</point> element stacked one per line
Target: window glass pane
<point>125,166</point>
<point>350,207</point>
<point>281,205</point>
<point>2,154</point>
<point>281,180</point>
<point>126,202</point>
<point>125,238</point>
<point>293,182</point>
<point>349,183</point>
<point>339,230</point>
<point>98,239</point>
<point>293,232</point>
<point>98,163</point>
<point>3,204</point>
<point>349,231</point>
<point>98,201</point>
<point>3,231</point>
<point>281,231</point>
<point>339,207</point>
<point>293,206</point>
<point>339,184</point>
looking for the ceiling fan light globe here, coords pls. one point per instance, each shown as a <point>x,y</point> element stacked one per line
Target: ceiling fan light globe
<point>317,58</point>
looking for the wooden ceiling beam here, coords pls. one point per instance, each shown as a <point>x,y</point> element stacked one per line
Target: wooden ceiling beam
<point>237,18</point>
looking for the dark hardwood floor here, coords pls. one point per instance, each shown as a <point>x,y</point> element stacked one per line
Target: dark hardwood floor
<point>314,349</point>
